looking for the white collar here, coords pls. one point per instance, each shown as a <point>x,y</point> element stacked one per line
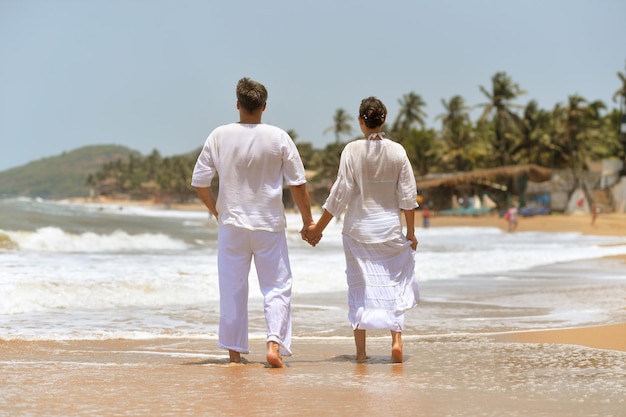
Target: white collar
<point>376,136</point>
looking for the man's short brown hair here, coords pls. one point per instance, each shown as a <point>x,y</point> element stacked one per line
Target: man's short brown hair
<point>251,95</point>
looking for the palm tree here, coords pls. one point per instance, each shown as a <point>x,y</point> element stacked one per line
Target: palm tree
<point>423,150</point>
<point>499,107</point>
<point>456,133</point>
<point>307,153</point>
<point>292,134</point>
<point>340,124</point>
<point>455,110</point>
<point>329,161</point>
<point>621,94</point>
<point>410,113</point>
<point>534,136</point>
<point>577,135</point>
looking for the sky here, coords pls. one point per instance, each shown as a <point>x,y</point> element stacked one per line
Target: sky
<point>161,74</point>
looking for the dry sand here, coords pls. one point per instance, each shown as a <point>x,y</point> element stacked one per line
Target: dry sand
<point>608,224</point>
<point>566,372</point>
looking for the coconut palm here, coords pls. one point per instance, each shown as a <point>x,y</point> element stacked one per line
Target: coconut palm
<point>534,136</point>
<point>579,135</point>
<point>499,107</point>
<point>410,113</point>
<point>576,133</point>
<point>456,133</point>
<point>292,134</point>
<point>423,150</point>
<point>329,161</point>
<point>621,94</point>
<point>340,125</point>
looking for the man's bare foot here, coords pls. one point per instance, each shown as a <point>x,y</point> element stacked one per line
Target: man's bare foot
<point>274,358</point>
<point>396,347</point>
<point>234,356</point>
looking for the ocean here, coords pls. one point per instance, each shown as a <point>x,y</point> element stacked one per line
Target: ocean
<point>90,271</point>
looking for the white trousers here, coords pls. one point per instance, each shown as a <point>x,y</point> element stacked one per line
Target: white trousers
<point>236,247</point>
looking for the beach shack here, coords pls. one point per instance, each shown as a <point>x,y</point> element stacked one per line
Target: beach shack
<point>534,189</point>
<point>485,190</point>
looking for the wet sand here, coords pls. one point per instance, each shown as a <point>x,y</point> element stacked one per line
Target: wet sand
<point>441,376</point>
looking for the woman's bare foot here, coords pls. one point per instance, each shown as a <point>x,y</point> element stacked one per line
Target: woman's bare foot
<point>359,341</point>
<point>274,358</point>
<point>234,356</point>
<point>396,347</point>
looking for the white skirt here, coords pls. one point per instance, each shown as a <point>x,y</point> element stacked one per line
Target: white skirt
<point>381,283</point>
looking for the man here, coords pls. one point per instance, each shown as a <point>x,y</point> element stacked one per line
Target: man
<point>252,159</point>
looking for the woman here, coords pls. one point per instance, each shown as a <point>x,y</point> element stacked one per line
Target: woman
<point>375,183</point>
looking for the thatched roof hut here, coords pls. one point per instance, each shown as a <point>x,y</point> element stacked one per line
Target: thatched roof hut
<point>535,173</point>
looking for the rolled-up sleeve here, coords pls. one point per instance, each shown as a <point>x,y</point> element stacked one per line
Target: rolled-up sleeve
<point>342,189</point>
<point>293,169</point>
<point>407,190</point>
<point>204,170</point>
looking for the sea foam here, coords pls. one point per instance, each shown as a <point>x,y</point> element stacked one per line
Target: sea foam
<point>54,239</point>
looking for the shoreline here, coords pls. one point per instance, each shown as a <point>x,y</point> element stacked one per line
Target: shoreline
<point>607,224</point>
<point>460,375</point>
<point>608,337</point>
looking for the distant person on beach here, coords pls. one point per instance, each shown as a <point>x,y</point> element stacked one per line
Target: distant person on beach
<point>511,217</point>
<point>375,184</point>
<point>426,217</point>
<point>252,159</point>
<point>595,210</point>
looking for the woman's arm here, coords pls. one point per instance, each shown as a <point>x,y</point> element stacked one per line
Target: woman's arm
<point>314,233</point>
<point>409,217</point>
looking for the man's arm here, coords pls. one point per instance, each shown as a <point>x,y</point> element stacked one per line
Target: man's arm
<point>302,199</point>
<point>206,195</point>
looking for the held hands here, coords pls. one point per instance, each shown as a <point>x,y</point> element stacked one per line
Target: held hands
<point>311,234</point>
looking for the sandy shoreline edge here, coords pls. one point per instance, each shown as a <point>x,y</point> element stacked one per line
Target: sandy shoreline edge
<point>607,337</point>
<point>446,375</point>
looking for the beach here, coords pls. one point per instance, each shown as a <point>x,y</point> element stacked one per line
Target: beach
<point>442,376</point>
<point>528,365</point>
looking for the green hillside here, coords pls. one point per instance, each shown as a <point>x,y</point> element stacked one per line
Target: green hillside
<point>61,176</point>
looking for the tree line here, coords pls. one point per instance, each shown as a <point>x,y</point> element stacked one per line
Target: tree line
<point>506,133</point>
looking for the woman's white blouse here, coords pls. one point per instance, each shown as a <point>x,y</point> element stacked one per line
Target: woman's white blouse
<point>374,183</point>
